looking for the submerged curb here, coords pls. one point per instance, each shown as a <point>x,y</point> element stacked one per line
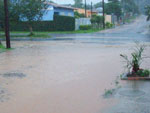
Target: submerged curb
<point>124,77</point>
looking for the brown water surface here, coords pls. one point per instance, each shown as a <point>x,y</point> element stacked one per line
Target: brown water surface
<point>60,77</point>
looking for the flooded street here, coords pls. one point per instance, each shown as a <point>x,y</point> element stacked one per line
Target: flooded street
<point>70,73</point>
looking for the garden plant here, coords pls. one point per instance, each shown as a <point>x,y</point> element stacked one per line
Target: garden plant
<point>134,62</point>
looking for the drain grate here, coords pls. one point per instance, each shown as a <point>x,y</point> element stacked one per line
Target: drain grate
<point>19,75</point>
<point>132,93</point>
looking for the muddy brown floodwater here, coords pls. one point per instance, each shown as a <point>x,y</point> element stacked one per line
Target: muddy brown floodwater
<point>59,77</point>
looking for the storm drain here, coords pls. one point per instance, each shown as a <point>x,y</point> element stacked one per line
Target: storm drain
<point>19,75</point>
<point>131,93</point>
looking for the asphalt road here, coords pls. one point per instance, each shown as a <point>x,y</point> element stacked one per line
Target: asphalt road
<point>137,31</point>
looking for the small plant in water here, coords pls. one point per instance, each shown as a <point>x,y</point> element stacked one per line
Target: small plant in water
<point>133,64</point>
<point>109,92</point>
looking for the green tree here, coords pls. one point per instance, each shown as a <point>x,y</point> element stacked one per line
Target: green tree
<point>148,12</point>
<point>78,15</point>
<point>97,21</point>
<point>14,11</point>
<point>113,7</point>
<point>32,10</point>
<point>129,6</point>
<point>1,10</point>
<point>78,3</point>
<point>1,13</point>
<point>97,5</point>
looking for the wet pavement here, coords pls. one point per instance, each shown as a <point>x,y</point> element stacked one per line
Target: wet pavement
<point>132,98</point>
<point>137,31</point>
<point>70,73</point>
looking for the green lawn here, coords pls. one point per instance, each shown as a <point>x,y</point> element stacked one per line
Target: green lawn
<point>25,34</point>
<point>19,34</point>
<point>2,48</point>
<point>75,32</point>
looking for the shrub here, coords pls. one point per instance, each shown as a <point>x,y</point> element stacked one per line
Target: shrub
<point>143,73</point>
<point>85,27</point>
<point>64,23</point>
<point>97,21</point>
<point>109,25</point>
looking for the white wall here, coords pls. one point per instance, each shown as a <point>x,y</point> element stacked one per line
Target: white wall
<point>82,21</point>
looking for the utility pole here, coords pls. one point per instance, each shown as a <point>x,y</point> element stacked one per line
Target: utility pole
<point>91,9</point>
<point>7,24</point>
<point>85,9</point>
<point>103,14</point>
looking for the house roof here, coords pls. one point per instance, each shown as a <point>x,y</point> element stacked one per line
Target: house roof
<point>60,6</point>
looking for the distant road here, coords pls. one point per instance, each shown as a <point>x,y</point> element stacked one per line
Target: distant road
<point>136,31</point>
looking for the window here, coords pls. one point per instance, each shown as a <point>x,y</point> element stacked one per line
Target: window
<point>56,13</point>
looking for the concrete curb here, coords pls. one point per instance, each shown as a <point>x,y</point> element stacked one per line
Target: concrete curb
<point>124,77</point>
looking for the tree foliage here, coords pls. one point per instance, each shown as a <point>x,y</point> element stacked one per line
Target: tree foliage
<point>147,12</point>
<point>1,10</point>
<point>14,10</point>
<point>78,3</point>
<point>113,7</point>
<point>23,10</point>
<point>130,6</point>
<point>97,5</point>
<point>32,10</point>
<point>78,15</point>
<point>97,21</point>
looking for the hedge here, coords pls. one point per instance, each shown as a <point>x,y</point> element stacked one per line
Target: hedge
<point>60,23</point>
<point>85,27</point>
<point>109,25</point>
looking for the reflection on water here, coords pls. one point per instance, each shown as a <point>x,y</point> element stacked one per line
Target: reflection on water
<point>135,85</point>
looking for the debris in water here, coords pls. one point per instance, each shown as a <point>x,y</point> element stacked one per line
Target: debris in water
<point>20,75</point>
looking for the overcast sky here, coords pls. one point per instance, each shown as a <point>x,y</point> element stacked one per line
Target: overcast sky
<point>72,1</point>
